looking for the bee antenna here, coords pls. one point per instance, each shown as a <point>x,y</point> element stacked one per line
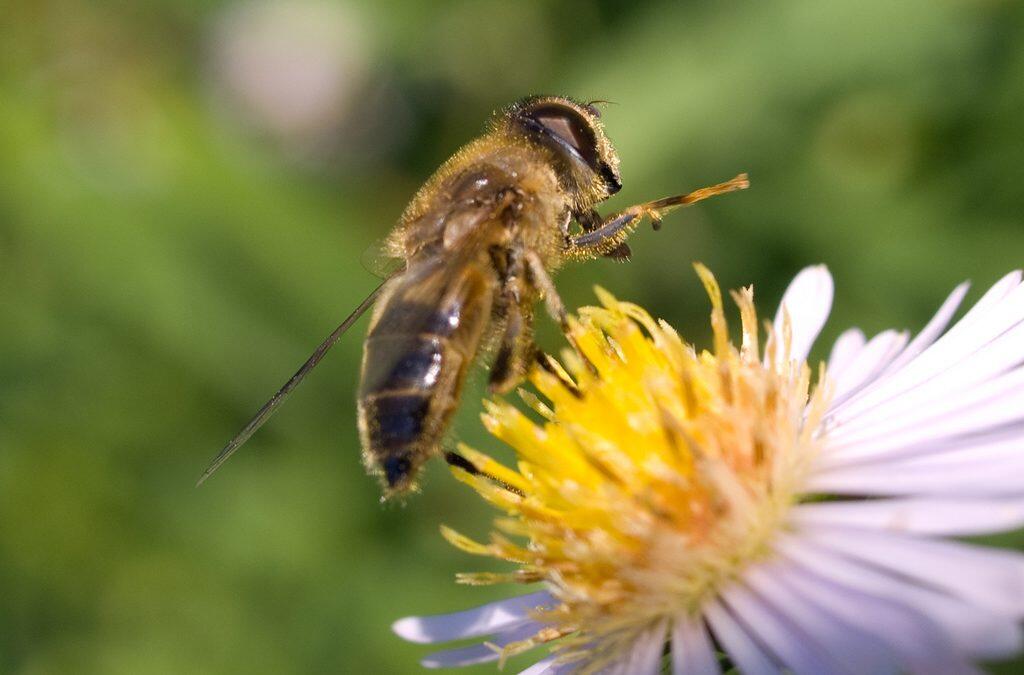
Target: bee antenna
<point>592,106</point>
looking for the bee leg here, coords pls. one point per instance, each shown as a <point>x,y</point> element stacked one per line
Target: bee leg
<point>588,220</point>
<point>550,365</point>
<point>461,462</point>
<point>514,354</point>
<point>607,238</point>
<point>553,301</point>
<point>517,347</point>
<point>621,253</point>
<point>591,220</point>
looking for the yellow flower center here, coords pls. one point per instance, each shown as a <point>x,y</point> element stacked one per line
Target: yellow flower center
<point>657,474</point>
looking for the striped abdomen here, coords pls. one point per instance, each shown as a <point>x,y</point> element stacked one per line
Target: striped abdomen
<point>424,336</point>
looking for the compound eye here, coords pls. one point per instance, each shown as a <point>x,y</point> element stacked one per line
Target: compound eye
<point>568,126</point>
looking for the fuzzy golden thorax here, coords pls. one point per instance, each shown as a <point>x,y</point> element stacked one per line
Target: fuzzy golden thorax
<point>555,135</point>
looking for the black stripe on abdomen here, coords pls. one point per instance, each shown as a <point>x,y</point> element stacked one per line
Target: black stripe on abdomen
<point>403,317</point>
<point>398,419</point>
<point>394,424</point>
<point>399,362</point>
<point>398,395</point>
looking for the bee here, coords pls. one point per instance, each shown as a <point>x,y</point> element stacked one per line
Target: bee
<point>478,245</point>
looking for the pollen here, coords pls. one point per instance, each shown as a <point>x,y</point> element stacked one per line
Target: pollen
<point>649,474</point>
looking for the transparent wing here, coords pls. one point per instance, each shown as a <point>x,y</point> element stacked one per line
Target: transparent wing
<point>277,399</point>
<point>378,262</point>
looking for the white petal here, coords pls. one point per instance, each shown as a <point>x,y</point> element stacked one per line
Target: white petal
<point>860,652</point>
<point>1003,447</point>
<point>932,329</point>
<point>480,653</point>
<point>949,470</point>
<point>966,627</point>
<point>992,579</point>
<point>988,464</point>
<point>959,343</point>
<point>977,411</point>
<point>996,456</point>
<point>808,301</point>
<point>920,644</point>
<point>869,362</point>
<point>845,350</point>
<point>550,666</point>
<point>544,667</point>
<point>742,650</point>
<point>974,378</point>
<point>692,651</point>
<point>997,292</point>
<point>954,517</point>
<point>644,657</point>
<point>789,644</point>
<point>483,620</point>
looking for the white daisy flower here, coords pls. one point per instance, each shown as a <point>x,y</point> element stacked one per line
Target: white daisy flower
<point>687,510</point>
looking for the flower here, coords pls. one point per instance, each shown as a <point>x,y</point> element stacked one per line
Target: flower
<point>684,502</point>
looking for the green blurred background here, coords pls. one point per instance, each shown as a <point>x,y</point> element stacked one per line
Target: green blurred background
<point>187,189</point>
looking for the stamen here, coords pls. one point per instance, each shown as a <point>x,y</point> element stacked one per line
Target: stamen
<point>654,478</point>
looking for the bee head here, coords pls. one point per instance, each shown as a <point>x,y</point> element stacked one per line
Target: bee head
<point>572,131</point>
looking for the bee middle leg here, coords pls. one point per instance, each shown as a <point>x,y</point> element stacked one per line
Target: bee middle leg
<point>515,352</point>
<point>516,349</point>
<point>553,301</point>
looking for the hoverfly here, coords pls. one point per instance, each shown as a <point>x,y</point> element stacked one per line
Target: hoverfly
<point>479,243</point>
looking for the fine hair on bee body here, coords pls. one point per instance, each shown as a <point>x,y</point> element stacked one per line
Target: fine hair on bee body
<point>479,242</point>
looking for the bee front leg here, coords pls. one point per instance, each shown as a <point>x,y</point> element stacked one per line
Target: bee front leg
<point>608,238</point>
<point>591,220</point>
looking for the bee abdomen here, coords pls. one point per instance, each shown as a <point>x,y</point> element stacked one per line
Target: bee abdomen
<point>396,362</point>
<point>393,425</point>
<point>399,419</point>
<point>405,398</point>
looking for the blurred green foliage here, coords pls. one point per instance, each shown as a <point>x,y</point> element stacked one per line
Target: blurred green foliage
<point>170,251</point>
